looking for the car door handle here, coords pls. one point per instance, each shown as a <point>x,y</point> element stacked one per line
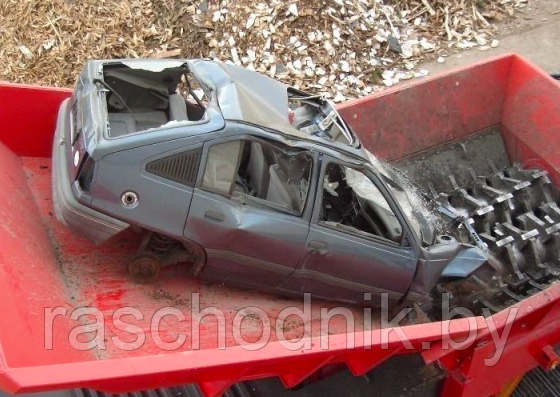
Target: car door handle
<point>214,215</point>
<point>314,245</point>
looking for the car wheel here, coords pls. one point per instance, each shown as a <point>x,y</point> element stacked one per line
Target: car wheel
<point>144,267</point>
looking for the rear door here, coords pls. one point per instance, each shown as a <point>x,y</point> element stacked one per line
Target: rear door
<point>358,241</point>
<point>250,235</point>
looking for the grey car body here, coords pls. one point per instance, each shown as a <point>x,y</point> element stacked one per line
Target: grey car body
<point>266,185</point>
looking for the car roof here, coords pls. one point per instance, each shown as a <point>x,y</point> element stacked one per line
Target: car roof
<point>242,95</point>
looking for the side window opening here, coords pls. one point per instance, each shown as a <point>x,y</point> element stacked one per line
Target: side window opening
<point>221,167</point>
<point>260,174</point>
<point>351,201</point>
<point>191,92</point>
<point>181,167</point>
<point>139,99</point>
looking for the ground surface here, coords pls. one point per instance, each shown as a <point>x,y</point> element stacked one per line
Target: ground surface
<point>346,48</point>
<point>535,34</point>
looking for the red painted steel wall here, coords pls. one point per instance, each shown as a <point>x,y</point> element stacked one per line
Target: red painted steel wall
<point>428,112</point>
<point>28,117</point>
<point>26,254</point>
<point>531,118</point>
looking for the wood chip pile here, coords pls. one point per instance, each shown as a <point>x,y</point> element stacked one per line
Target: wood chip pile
<point>347,48</point>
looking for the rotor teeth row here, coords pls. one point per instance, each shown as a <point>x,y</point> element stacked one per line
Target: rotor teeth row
<point>515,213</point>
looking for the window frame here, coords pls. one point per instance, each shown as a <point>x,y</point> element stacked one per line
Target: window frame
<point>204,167</point>
<point>169,153</point>
<point>211,98</point>
<point>268,206</point>
<point>168,156</point>
<point>407,240</point>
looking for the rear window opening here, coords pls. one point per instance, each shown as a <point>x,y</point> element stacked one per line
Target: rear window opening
<point>139,99</point>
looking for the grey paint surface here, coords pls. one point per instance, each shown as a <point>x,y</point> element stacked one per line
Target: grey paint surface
<point>94,225</point>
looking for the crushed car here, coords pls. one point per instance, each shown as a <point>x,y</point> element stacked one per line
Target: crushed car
<point>257,184</point>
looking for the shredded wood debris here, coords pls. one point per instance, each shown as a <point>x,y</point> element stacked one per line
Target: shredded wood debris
<point>348,48</point>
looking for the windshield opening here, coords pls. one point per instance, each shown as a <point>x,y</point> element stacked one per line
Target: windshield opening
<point>418,210</point>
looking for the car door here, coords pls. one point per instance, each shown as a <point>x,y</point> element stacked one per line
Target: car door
<point>250,235</point>
<point>358,241</point>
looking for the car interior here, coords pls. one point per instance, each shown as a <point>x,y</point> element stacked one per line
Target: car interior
<point>352,202</point>
<point>317,116</point>
<point>139,99</point>
<point>247,170</point>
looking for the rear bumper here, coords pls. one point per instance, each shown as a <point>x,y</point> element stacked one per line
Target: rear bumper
<point>81,219</point>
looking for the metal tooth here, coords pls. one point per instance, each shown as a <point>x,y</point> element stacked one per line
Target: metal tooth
<point>500,181</point>
<point>540,247</point>
<point>472,173</point>
<point>494,241</point>
<point>551,210</point>
<point>503,211</point>
<point>537,252</point>
<point>520,234</point>
<point>553,266</point>
<point>484,210</point>
<point>541,272</point>
<point>551,217</point>
<point>504,241</point>
<point>553,229</point>
<point>536,285</point>
<point>453,181</point>
<point>553,244</point>
<point>501,201</point>
<point>513,295</point>
<point>539,193</point>
<point>493,308</point>
<point>545,227</point>
<point>519,173</point>
<point>537,187</point>
<point>524,198</point>
<point>512,255</point>
<point>529,220</point>
<point>497,196</point>
<point>433,190</point>
<point>522,185</point>
<point>492,166</point>
<point>474,206</point>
